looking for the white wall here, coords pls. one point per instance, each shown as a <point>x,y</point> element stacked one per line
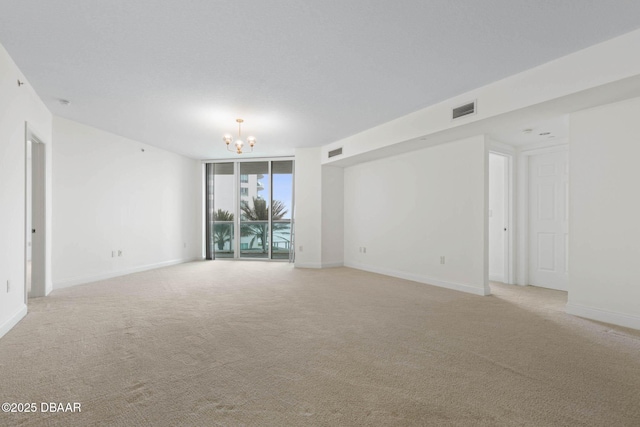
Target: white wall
<point>308,211</point>
<point>332,216</point>
<point>604,214</point>
<point>413,208</point>
<point>112,196</point>
<point>319,211</point>
<point>18,104</point>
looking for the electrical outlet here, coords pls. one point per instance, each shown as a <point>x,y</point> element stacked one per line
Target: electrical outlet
<point>119,252</point>
<point>442,260</point>
<point>301,248</point>
<point>184,245</point>
<point>364,250</point>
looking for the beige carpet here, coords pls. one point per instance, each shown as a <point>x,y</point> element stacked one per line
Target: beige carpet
<point>262,344</point>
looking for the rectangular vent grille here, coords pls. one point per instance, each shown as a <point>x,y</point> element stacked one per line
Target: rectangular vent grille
<point>335,152</point>
<point>464,110</point>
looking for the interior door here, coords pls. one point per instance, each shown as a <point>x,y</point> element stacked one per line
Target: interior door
<point>548,220</point>
<point>38,233</point>
<point>497,217</point>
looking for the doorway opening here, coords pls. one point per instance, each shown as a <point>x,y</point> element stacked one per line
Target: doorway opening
<point>537,155</point>
<point>499,217</point>
<point>35,232</point>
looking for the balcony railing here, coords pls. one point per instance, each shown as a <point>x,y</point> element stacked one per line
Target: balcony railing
<point>223,238</point>
<point>255,238</point>
<point>281,244</point>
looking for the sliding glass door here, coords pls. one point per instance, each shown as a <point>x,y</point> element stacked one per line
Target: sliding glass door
<point>281,208</point>
<point>250,209</point>
<point>254,209</point>
<point>222,238</point>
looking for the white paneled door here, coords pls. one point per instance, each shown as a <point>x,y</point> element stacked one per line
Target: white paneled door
<point>548,220</point>
<point>497,217</point>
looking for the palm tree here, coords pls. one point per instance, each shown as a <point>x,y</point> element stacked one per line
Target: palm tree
<point>222,233</point>
<point>260,212</point>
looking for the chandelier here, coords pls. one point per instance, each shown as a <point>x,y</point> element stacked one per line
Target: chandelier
<point>239,143</point>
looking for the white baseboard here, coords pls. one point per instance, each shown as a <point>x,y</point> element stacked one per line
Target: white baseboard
<point>332,264</point>
<point>318,264</point>
<point>307,265</point>
<point>65,283</point>
<point>422,279</point>
<point>13,320</point>
<point>615,318</point>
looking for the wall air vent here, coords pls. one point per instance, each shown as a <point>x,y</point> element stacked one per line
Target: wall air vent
<point>463,110</point>
<point>335,152</point>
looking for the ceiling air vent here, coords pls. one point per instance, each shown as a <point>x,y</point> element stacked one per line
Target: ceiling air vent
<point>335,152</point>
<point>463,110</point>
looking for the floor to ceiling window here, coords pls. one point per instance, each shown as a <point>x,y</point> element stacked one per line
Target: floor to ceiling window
<point>254,210</point>
<point>249,209</point>
<point>281,207</point>
<point>222,210</point>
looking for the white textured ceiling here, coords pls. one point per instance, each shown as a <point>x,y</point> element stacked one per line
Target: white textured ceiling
<point>176,73</point>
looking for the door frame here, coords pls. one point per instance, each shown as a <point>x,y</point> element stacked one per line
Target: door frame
<point>38,193</point>
<point>508,212</point>
<point>524,157</point>
<point>509,153</point>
